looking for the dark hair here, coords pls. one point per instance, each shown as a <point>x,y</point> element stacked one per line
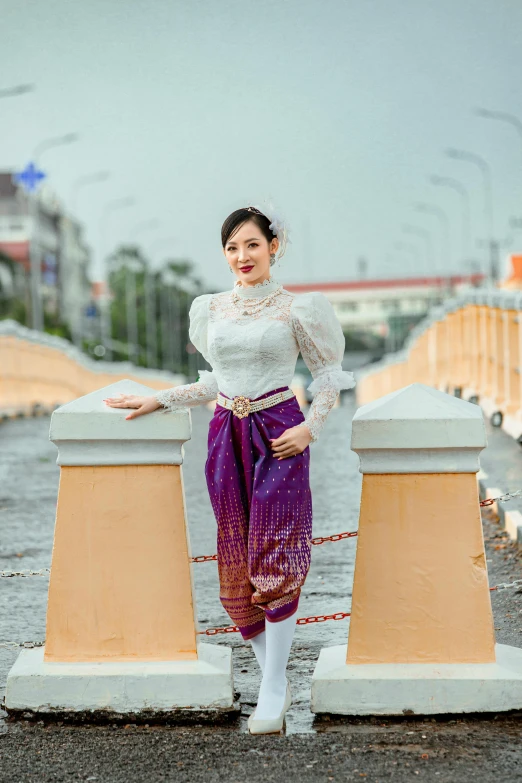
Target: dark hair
<point>240,216</point>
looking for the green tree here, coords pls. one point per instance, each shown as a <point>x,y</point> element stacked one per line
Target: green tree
<point>13,284</point>
<point>172,288</point>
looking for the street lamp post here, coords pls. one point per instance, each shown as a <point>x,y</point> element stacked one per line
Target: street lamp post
<point>166,337</point>
<point>19,89</point>
<point>34,243</point>
<point>151,307</point>
<point>167,320</point>
<point>192,360</point>
<point>502,116</point>
<point>150,318</point>
<point>106,315</point>
<point>77,186</point>
<point>392,316</point>
<point>458,187</point>
<point>82,182</point>
<point>131,314</point>
<point>515,224</point>
<point>131,309</point>
<point>425,235</point>
<point>412,251</point>
<point>485,170</point>
<point>432,209</point>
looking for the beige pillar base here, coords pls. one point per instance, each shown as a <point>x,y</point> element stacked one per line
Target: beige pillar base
<point>416,688</point>
<point>103,690</point>
<point>120,586</point>
<point>420,587</point>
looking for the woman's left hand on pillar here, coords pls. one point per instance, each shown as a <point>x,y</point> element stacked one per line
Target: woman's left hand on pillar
<point>293,441</point>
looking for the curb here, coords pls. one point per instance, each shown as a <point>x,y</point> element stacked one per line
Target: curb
<point>509,518</point>
<point>36,411</point>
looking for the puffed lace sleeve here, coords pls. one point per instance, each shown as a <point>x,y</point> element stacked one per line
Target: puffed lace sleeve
<point>206,388</point>
<point>321,342</point>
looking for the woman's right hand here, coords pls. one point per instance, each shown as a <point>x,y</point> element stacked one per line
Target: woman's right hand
<point>141,405</point>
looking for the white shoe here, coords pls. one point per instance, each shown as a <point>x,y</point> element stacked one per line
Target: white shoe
<point>274,725</point>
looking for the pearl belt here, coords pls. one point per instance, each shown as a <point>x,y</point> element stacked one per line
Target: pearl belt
<point>242,406</point>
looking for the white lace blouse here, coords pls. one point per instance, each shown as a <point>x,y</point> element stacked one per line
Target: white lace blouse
<point>251,336</point>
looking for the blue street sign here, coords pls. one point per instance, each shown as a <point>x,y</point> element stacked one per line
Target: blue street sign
<point>49,270</point>
<point>29,178</point>
<point>91,311</point>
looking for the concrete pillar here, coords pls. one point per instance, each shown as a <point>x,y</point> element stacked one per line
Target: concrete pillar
<point>432,354</point>
<point>472,345</point>
<point>441,342</point>
<point>466,345</point>
<point>492,392</point>
<point>121,629</point>
<point>512,419</point>
<point>490,323</point>
<point>499,350</point>
<point>421,636</point>
<point>457,377</point>
<point>484,345</point>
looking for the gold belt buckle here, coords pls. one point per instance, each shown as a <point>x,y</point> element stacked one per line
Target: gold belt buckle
<point>241,406</point>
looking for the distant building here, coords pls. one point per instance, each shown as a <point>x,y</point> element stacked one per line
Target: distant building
<point>65,287</point>
<point>513,272</point>
<point>14,221</point>
<point>378,307</point>
<point>74,282</point>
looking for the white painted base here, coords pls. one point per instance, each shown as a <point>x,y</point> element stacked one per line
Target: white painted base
<point>125,687</point>
<point>419,688</point>
<point>512,425</point>
<point>513,525</point>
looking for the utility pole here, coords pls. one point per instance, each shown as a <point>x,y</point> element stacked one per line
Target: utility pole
<point>106,315</point>
<point>487,179</point>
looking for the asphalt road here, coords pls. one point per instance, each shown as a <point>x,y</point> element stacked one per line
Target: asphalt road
<point>315,749</point>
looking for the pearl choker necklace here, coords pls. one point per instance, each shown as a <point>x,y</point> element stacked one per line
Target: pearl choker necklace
<point>256,291</point>
<point>252,305</point>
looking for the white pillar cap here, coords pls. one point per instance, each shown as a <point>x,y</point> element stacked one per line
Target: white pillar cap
<point>89,432</point>
<point>418,429</point>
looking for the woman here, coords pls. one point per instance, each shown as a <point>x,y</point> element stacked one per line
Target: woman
<point>257,468</point>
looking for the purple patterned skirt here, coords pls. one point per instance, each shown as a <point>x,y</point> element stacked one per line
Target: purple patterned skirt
<point>263,509</point>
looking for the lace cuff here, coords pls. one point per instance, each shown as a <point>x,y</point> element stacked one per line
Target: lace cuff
<point>325,387</point>
<point>190,394</point>
<point>321,406</point>
<point>332,376</point>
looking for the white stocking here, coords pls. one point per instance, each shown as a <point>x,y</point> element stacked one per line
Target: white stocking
<point>259,646</point>
<point>272,692</point>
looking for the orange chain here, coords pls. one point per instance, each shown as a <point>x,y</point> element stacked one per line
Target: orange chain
<point>322,618</point>
<point>341,536</point>
<point>315,542</point>
<point>336,537</point>
<point>317,618</point>
<point>507,496</point>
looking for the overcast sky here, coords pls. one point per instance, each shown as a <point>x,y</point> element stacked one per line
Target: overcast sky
<point>337,109</point>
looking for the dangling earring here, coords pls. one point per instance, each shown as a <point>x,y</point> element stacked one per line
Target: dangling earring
<point>230,269</point>
<point>272,259</point>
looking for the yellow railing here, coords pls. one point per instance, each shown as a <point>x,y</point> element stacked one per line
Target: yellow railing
<point>470,347</point>
<point>40,372</point>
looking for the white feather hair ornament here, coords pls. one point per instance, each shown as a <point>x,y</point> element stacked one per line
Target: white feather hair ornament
<point>278,226</point>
